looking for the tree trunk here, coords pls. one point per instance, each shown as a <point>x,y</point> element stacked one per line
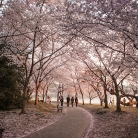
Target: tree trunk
<point>28,96</point>
<point>57,97</point>
<point>46,96</point>
<point>118,107</point>
<point>136,102</point>
<point>105,96</point>
<point>105,100</point>
<point>62,88</point>
<point>90,101</point>
<point>101,102</point>
<point>43,95</point>
<point>36,98</point>
<point>23,111</point>
<point>82,98</point>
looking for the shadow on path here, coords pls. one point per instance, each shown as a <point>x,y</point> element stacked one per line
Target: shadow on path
<point>72,125</point>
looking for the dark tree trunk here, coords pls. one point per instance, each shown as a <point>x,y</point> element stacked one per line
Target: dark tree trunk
<point>58,95</point>
<point>23,111</point>
<point>105,99</point>
<point>118,107</point>
<point>90,101</point>
<point>36,98</point>
<point>101,102</point>
<point>82,98</point>
<point>136,101</point>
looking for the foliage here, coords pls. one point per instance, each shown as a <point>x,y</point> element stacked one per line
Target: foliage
<point>10,84</point>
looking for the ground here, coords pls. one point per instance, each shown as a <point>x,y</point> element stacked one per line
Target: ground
<point>106,123</point>
<point>111,124</point>
<point>18,125</point>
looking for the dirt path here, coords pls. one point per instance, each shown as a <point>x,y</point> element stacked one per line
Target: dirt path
<point>73,125</point>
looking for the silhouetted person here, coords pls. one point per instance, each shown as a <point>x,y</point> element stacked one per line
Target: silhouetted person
<point>68,100</point>
<point>124,101</point>
<point>110,103</point>
<point>49,100</point>
<point>72,101</point>
<point>61,100</point>
<point>76,101</point>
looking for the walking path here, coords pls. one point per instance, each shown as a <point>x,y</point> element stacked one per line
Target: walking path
<point>73,125</point>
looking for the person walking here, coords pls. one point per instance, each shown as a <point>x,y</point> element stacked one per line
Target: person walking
<point>68,100</point>
<point>72,101</point>
<point>124,101</point>
<point>110,103</point>
<point>49,99</point>
<point>76,101</point>
<point>61,100</point>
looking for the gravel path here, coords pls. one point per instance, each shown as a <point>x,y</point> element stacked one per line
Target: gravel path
<point>74,124</point>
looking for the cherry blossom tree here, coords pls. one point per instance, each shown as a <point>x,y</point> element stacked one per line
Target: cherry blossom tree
<point>108,25</point>
<point>42,35</point>
<point>28,30</point>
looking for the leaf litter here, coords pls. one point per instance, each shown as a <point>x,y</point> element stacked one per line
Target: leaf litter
<point>110,124</point>
<point>18,125</point>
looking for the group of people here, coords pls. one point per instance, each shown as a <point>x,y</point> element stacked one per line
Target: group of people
<point>111,101</point>
<point>49,99</point>
<point>69,100</point>
<point>72,101</point>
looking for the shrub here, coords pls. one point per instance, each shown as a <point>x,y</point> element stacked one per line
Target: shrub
<point>10,84</point>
